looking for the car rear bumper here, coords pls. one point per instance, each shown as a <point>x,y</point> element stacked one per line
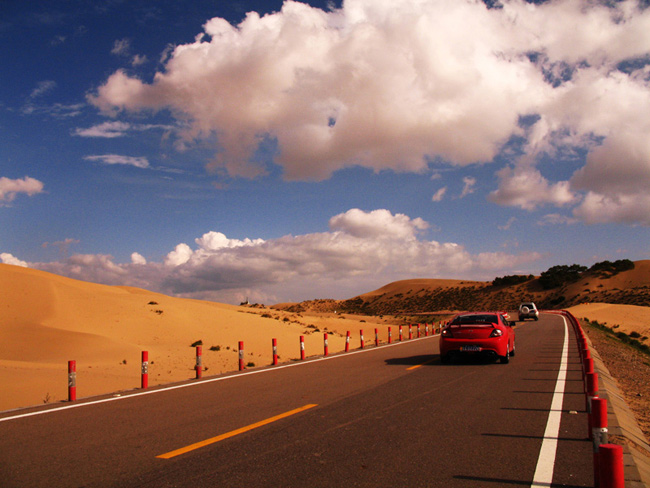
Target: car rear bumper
<point>495,346</point>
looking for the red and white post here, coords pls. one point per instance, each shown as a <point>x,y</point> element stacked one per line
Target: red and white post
<point>426,330</point>
<point>241,356</point>
<point>598,434</point>
<point>376,338</point>
<point>347,341</point>
<point>591,385</point>
<point>144,377</point>
<point>410,332</point>
<point>611,472</point>
<point>400,333</point>
<point>274,343</point>
<point>199,364</point>
<point>418,331</point>
<point>362,342</point>
<point>302,348</point>
<point>390,336</point>
<point>326,348</point>
<point>72,381</point>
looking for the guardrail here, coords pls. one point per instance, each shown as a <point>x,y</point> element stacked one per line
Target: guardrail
<point>609,470</point>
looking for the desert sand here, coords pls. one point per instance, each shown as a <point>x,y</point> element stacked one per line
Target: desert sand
<point>629,318</point>
<point>47,320</point>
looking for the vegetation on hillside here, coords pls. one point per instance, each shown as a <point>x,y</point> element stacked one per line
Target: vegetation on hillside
<point>558,287</point>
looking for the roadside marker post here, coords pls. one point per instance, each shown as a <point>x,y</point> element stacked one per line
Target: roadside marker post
<point>376,338</point>
<point>241,356</point>
<point>199,365</point>
<point>591,385</point>
<point>390,336</point>
<point>72,381</point>
<point>611,472</point>
<point>410,331</point>
<point>326,348</point>
<point>361,338</point>
<point>598,434</point>
<point>418,331</point>
<point>144,377</point>
<point>400,333</point>
<point>347,341</point>
<point>302,348</point>
<point>274,343</point>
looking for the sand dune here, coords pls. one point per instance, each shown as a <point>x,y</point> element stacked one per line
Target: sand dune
<point>48,319</point>
<point>629,318</point>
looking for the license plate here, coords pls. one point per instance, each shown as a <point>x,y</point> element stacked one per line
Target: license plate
<point>470,348</point>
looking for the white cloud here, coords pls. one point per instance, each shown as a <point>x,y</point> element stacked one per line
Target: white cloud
<point>137,258</point>
<point>105,129</point>
<point>180,255</point>
<point>526,188</point>
<point>468,186</point>
<point>7,258</point>
<point>138,60</point>
<point>9,188</point>
<point>138,162</point>
<point>556,219</point>
<point>363,251</point>
<point>377,224</point>
<point>437,196</point>
<point>121,47</point>
<point>398,84</point>
<point>600,209</point>
<point>42,88</point>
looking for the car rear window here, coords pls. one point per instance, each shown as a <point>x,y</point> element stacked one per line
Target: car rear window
<point>475,319</point>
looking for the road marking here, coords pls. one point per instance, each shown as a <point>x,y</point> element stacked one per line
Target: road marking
<point>546,461</point>
<point>233,375</point>
<point>233,433</point>
<point>421,364</point>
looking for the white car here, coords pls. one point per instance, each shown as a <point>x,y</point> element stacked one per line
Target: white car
<point>528,310</point>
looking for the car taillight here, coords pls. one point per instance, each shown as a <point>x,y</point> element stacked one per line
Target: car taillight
<point>446,333</point>
<point>496,333</point>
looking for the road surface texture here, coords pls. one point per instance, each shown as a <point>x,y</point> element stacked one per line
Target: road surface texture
<point>380,417</point>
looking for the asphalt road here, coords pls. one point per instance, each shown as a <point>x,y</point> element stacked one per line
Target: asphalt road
<point>387,416</point>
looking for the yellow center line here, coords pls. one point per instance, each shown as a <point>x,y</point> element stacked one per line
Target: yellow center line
<point>233,433</point>
<point>422,364</point>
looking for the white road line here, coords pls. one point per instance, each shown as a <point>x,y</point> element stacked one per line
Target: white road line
<point>546,461</point>
<point>211,380</point>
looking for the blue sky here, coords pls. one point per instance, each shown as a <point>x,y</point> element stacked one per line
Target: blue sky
<point>290,151</point>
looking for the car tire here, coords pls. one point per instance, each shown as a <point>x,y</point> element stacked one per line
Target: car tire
<point>512,353</point>
<point>505,359</point>
<point>536,319</point>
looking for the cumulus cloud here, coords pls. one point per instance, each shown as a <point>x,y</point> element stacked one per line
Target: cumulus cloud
<point>137,258</point>
<point>7,258</point>
<point>9,188</point>
<point>526,188</point>
<point>397,84</point>
<point>138,162</point>
<point>362,251</point>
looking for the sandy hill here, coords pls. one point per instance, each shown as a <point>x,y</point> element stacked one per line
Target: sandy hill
<point>46,320</point>
<point>432,296</point>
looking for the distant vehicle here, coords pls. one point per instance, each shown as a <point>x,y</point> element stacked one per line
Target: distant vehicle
<point>478,333</point>
<point>528,310</point>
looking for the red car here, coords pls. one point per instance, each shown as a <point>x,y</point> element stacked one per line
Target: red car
<point>484,333</point>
